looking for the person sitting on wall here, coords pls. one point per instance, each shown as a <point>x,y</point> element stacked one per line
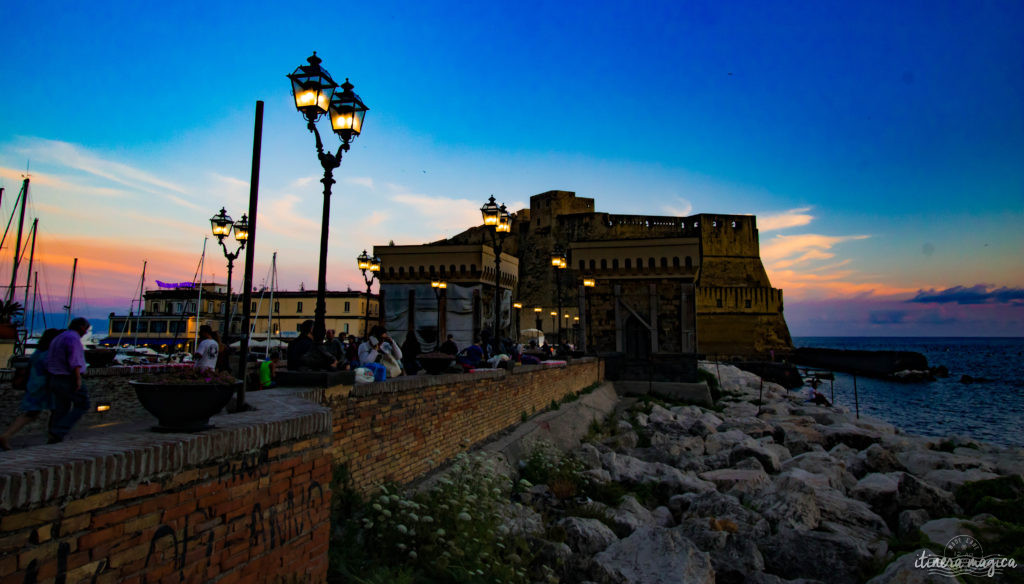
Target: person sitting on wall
<point>208,349</point>
<point>471,356</point>
<point>301,345</point>
<point>267,370</point>
<point>370,352</point>
<point>449,347</point>
<point>410,350</point>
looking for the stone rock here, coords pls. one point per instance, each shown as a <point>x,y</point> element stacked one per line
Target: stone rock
<point>921,462</point>
<point>597,475</point>
<point>917,494</point>
<point>622,440</point>
<point>850,435</point>
<point>642,420</point>
<point>744,480</point>
<point>522,520</point>
<point>798,438</point>
<point>587,536</point>
<point>862,522</point>
<point>749,425</point>
<point>702,429</point>
<point>589,455</point>
<point>655,555</point>
<point>624,468</point>
<point>822,415</point>
<point>768,458</point>
<point>724,441</point>
<point>717,506</point>
<point>820,462</point>
<point>662,516</point>
<point>766,578</point>
<point>903,571</point>
<point>831,557</point>
<point>733,554</point>
<point>940,531</point>
<point>878,459</point>
<point>749,463</point>
<point>740,410</point>
<point>950,479</point>
<point>791,500</point>
<point>630,515</point>
<point>910,521</point>
<point>881,491</point>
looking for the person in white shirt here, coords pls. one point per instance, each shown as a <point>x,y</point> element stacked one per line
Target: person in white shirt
<point>379,341</point>
<point>207,350</point>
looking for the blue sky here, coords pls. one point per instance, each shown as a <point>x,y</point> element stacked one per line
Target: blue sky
<point>878,144</point>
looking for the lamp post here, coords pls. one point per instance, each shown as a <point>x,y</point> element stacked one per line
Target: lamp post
<point>222,225</point>
<point>438,286</point>
<point>371,265</point>
<point>587,283</point>
<point>555,322</point>
<point>316,94</point>
<point>500,225</point>
<point>537,312</point>
<point>519,307</point>
<point>558,263</point>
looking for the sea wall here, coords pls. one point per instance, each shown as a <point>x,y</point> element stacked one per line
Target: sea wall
<point>245,502</point>
<point>400,430</point>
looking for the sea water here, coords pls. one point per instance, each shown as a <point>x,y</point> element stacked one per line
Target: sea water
<point>992,410</point>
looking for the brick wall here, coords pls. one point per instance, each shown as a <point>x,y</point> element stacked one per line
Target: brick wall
<point>246,502</point>
<point>394,431</point>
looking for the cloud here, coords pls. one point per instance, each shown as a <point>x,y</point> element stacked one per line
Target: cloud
<point>680,208</point>
<point>787,246</point>
<point>887,316</point>
<point>977,294</point>
<point>363,181</point>
<point>785,220</point>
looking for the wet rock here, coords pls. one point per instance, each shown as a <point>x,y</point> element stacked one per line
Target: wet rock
<point>749,425</point>
<point>587,536</point>
<point>853,436</point>
<point>655,555</point>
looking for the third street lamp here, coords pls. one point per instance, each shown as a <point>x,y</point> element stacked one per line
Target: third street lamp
<point>221,225</point>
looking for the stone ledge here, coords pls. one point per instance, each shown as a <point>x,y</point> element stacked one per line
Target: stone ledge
<point>40,475</point>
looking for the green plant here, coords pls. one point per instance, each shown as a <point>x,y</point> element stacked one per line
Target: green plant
<point>546,464</point>
<point>554,405</point>
<point>10,310</point>
<point>523,417</point>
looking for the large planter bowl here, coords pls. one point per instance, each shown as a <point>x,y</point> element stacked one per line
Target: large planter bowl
<point>183,408</point>
<point>435,363</point>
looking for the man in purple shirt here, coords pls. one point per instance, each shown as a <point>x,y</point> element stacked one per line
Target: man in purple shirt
<point>65,364</point>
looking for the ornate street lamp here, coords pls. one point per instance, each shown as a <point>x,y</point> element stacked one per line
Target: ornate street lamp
<point>438,286</point>
<point>315,94</point>
<point>221,225</point>
<point>500,224</point>
<point>537,313</point>
<point>559,263</point>
<point>366,264</point>
<point>519,307</point>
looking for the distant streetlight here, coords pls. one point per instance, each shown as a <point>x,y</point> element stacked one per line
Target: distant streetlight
<point>519,307</point>
<point>558,262</point>
<point>438,286</point>
<point>537,313</point>
<point>587,283</point>
<point>499,225</point>
<point>371,265</point>
<point>221,225</point>
<point>315,94</point>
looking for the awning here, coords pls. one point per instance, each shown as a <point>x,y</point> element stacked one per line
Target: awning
<point>151,341</point>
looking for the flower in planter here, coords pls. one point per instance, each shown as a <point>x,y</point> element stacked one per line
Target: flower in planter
<point>190,376</point>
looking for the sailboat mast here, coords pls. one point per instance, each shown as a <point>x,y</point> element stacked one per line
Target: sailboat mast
<point>17,245</point>
<point>142,286</point>
<point>35,294</point>
<point>31,259</point>
<point>199,302</point>
<point>270,308</point>
<point>71,295</point>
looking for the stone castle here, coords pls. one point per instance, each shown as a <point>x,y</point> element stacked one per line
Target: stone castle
<point>661,284</point>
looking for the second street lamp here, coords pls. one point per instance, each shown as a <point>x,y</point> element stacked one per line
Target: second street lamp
<point>499,225</point>
<point>371,265</point>
<point>587,283</point>
<point>438,286</point>
<point>221,225</point>
<point>315,94</point>
<point>559,263</point>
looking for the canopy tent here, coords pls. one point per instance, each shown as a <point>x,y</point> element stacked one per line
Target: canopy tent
<point>261,344</point>
<point>527,335</point>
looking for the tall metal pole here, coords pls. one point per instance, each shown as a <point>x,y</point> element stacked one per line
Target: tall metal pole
<point>71,294</point>
<point>17,244</point>
<point>558,285</point>
<point>497,291</point>
<point>250,254</point>
<point>31,259</point>
<point>224,325</point>
<point>329,162</point>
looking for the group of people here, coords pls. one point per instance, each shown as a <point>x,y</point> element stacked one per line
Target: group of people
<point>378,352</point>
<point>54,383</point>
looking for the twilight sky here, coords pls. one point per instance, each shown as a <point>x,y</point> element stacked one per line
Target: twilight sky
<point>878,143</point>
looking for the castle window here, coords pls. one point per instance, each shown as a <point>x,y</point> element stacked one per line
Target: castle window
<point>298,307</point>
<point>391,270</point>
<point>582,264</point>
<point>689,263</point>
<point>675,262</point>
<point>664,262</point>
<point>156,307</point>
<point>451,269</point>
<point>747,304</point>
<point>615,263</point>
<point>604,264</point>
<point>422,270</point>
<point>639,263</point>
<point>348,306</point>
<point>718,303</point>
<point>629,264</point>
<point>593,265</point>
<point>401,271</point>
<point>462,269</point>
<point>650,262</point>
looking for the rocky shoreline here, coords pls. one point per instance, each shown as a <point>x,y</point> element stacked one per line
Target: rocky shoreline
<point>772,492</point>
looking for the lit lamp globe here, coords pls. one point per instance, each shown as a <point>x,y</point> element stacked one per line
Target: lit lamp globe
<point>347,112</point>
<point>375,264</point>
<point>220,224</point>
<point>242,230</point>
<point>312,88</point>
<point>438,284</point>
<point>363,261</point>
<point>491,212</point>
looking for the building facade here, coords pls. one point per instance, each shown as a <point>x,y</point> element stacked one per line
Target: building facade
<point>171,317</point>
<point>661,284</point>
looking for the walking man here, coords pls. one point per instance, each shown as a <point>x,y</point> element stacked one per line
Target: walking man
<point>65,364</point>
